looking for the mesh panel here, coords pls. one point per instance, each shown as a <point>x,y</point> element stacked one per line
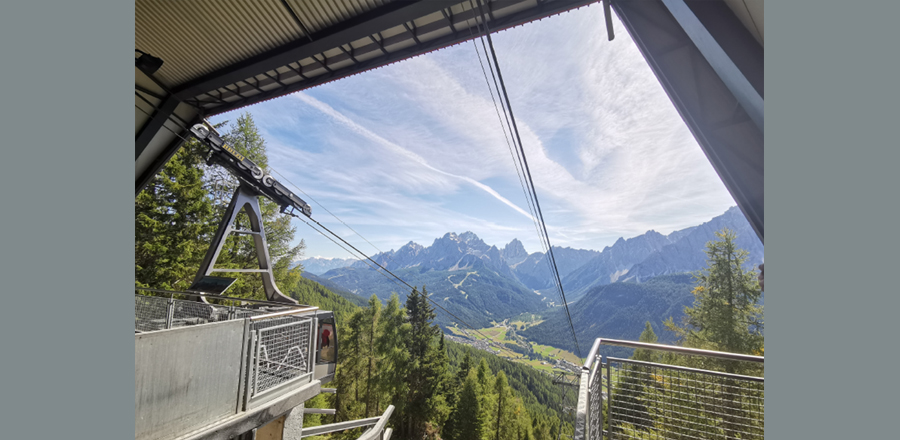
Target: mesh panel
<point>664,402</point>
<point>149,313</point>
<point>596,400</point>
<point>282,353</point>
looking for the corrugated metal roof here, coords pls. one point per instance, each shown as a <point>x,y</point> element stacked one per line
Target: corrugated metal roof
<point>221,55</point>
<point>197,37</point>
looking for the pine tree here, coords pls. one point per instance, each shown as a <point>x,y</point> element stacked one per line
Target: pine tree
<point>726,315</point>
<point>424,376</point>
<point>505,420</point>
<point>370,321</point>
<point>174,221</point>
<point>239,250</point>
<point>391,348</point>
<point>468,421</point>
<point>648,336</point>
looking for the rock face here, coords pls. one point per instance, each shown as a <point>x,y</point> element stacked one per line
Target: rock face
<point>318,266</point>
<point>451,252</point>
<point>652,254</point>
<point>534,271</point>
<point>613,262</point>
<point>482,283</point>
<point>688,253</point>
<point>514,253</point>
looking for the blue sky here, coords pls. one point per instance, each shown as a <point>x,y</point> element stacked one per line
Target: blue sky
<point>413,150</point>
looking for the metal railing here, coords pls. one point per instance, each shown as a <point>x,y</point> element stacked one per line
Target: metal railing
<point>638,399</point>
<point>282,352</point>
<point>248,357</point>
<point>152,313</point>
<point>378,430</point>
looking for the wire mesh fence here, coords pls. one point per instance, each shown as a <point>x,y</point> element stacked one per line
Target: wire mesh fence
<point>150,313</point>
<point>596,399</point>
<point>283,352</point>
<point>655,401</point>
<point>153,313</point>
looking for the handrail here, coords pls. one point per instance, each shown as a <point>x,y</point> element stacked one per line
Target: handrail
<point>376,431</point>
<point>284,313</point>
<point>676,349</point>
<point>592,354</point>
<point>688,369</point>
<point>227,298</point>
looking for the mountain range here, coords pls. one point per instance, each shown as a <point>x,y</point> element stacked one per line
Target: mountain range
<point>483,283</point>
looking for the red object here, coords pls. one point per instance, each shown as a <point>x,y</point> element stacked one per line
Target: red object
<point>325,334</point>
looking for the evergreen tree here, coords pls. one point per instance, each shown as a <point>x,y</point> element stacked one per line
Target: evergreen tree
<point>174,221</point>
<point>239,251</point>
<point>467,423</point>
<point>726,315</point>
<point>424,376</point>
<point>505,420</point>
<point>391,348</point>
<point>371,316</point>
<point>648,336</point>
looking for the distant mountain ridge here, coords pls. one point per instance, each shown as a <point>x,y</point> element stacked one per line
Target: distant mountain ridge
<point>319,265</point>
<point>526,278</point>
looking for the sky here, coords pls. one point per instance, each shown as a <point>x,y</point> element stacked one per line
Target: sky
<point>415,149</point>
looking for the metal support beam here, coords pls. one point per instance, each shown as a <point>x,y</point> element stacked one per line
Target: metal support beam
<point>340,426</point>
<point>461,34</point>
<point>245,199</point>
<point>154,124</point>
<point>726,131</point>
<point>158,163</point>
<point>733,78</point>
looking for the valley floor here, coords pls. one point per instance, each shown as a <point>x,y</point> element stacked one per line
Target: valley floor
<point>503,341</point>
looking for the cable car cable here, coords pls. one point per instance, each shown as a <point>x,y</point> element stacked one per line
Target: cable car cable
<point>528,172</point>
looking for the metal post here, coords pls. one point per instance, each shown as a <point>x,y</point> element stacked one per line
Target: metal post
<point>250,369</point>
<point>246,345</point>
<point>258,338</point>
<point>313,344</point>
<point>170,312</point>
<point>608,401</point>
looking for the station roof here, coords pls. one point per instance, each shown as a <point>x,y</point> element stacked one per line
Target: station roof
<point>219,56</point>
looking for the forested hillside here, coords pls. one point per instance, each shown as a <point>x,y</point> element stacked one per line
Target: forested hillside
<point>476,295</point>
<point>619,311</point>
<point>395,355</point>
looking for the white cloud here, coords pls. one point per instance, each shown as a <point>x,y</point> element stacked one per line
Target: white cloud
<point>609,154</point>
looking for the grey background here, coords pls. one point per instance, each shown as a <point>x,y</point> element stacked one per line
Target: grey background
<point>66,173</point>
<point>831,235</point>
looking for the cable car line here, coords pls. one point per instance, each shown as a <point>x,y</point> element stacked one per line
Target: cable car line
<point>529,179</point>
<point>516,163</point>
<point>433,302</point>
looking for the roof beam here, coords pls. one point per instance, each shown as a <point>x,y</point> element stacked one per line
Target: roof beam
<point>155,123</point>
<point>721,63</point>
<point>461,34</point>
<point>385,17</point>
<point>714,113</point>
<point>161,159</point>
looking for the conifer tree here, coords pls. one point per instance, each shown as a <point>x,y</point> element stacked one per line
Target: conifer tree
<point>468,421</point>
<point>648,336</point>
<point>239,250</point>
<point>174,221</point>
<point>725,315</point>
<point>505,420</point>
<point>393,332</point>
<point>424,376</point>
